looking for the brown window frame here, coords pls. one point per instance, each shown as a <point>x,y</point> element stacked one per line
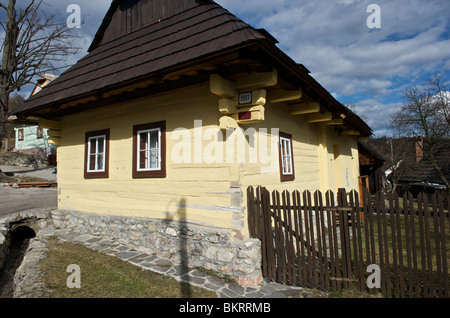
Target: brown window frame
<point>96,174</point>
<point>161,173</point>
<point>286,177</point>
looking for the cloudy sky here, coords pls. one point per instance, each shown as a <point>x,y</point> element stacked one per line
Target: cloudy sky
<point>361,66</point>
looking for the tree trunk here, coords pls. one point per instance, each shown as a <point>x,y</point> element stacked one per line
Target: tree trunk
<point>8,66</point>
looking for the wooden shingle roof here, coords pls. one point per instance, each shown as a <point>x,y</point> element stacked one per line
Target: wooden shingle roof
<point>146,47</point>
<point>191,34</point>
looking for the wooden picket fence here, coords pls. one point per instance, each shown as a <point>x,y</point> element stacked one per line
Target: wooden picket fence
<point>394,245</point>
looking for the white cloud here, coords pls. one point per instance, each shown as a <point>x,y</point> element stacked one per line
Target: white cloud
<point>332,40</point>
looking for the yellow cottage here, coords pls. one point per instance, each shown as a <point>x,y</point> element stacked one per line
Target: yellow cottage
<point>176,109</point>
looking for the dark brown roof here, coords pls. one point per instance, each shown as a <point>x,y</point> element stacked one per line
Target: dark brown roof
<point>142,41</point>
<point>424,171</point>
<point>199,31</point>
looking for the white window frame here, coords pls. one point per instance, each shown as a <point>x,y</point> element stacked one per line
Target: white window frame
<point>96,154</point>
<point>138,158</point>
<point>288,155</point>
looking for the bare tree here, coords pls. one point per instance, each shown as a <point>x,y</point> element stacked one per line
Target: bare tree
<point>33,44</point>
<point>424,116</point>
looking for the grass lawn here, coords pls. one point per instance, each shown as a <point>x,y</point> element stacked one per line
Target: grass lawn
<point>104,276</point>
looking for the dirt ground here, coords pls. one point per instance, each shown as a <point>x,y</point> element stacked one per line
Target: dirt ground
<point>17,200</point>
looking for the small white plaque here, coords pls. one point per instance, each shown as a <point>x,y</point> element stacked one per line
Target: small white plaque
<point>245,98</point>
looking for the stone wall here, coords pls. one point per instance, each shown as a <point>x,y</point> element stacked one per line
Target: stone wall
<point>193,245</point>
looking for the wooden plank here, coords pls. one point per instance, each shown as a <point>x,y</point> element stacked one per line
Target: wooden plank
<point>50,124</point>
<point>301,268</point>
<point>396,283</point>
<point>408,244</point>
<point>334,267</point>
<point>371,221</point>
<point>367,221</point>
<point>359,220</point>
<point>345,237</point>
<point>308,254</point>
<point>326,264</point>
<point>290,236</point>
<point>304,108</point>
<point>429,266</point>
<point>400,246</point>
<point>319,117</point>
<point>319,231</point>
<point>334,122</point>
<point>413,245</point>
<point>407,216</point>
<point>387,268</point>
<point>445,291</point>
<point>222,87</point>
<point>281,264</point>
<point>257,80</point>
<point>282,95</point>
<point>268,234</point>
<point>437,247</point>
<point>420,220</point>
<point>445,269</point>
<point>350,132</point>
<point>313,259</point>
<point>354,240</point>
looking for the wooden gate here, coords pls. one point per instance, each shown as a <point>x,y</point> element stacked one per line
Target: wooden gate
<point>317,241</point>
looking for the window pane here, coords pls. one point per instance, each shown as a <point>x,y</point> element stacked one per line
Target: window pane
<point>96,154</point>
<point>154,160</point>
<point>148,152</point>
<point>154,136</point>
<point>92,146</point>
<point>100,144</point>
<point>286,156</point>
<point>100,162</point>
<point>92,162</point>
<point>143,141</point>
<point>142,159</point>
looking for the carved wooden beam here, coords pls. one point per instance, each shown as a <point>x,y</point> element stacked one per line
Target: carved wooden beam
<point>320,117</point>
<point>54,133</point>
<point>50,124</point>
<point>282,95</point>
<point>350,132</point>
<point>222,87</point>
<point>334,122</point>
<point>304,108</point>
<point>257,80</point>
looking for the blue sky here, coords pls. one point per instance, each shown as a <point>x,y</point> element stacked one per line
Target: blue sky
<point>369,68</point>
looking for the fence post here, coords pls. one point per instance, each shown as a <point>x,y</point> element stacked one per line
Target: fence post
<point>345,236</point>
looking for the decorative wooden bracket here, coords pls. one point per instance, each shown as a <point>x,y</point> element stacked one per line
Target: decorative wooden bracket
<point>243,100</point>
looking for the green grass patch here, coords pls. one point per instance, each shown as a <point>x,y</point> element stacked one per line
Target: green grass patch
<point>104,276</point>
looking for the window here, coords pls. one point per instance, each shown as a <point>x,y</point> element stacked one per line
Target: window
<point>97,154</point>
<point>149,150</point>
<point>20,134</point>
<point>286,158</point>
<point>39,133</point>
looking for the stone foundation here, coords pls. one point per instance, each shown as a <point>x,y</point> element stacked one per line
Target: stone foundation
<point>193,245</point>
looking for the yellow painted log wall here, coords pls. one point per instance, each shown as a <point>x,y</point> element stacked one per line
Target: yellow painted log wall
<point>198,192</point>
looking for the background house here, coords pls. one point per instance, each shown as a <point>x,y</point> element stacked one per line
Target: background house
<point>421,175</point>
<point>29,138</point>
